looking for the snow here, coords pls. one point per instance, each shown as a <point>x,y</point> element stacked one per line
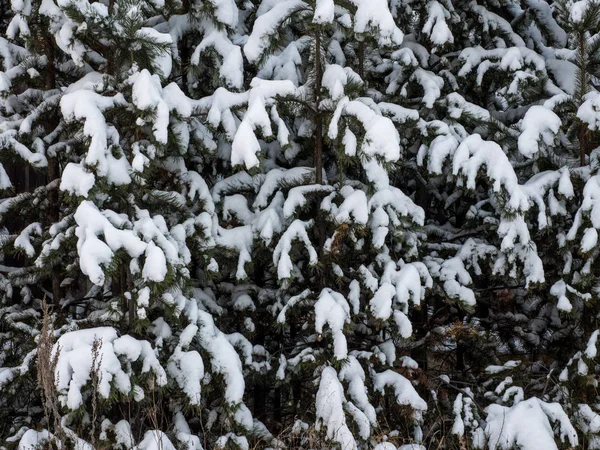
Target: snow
<point>493,369</point>
<point>436,27</point>
<point>240,240</point>
<point>162,62</point>
<point>74,365</point>
<point>511,58</point>
<point>591,350</point>
<point>455,278</point>
<point>33,439</point>
<point>404,392</point>
<point>330,410</point>
<point>354,296</point>
<point>5,182</point>
<point>284,65</point>
<point>589,240</point>
<point>526,425</point>
<point>587,419</point>
<point>226,12</point>
<point>353,374</point>
<point>269,221</point>
<point>236,184</point>
<point>332,309</point>
<point>223,357</point>
<point>5,83</point>
<point>381,303</point>
<point>431,84</point>
<point>155,265</point>
<point>457,106</point>
<point>240,442</point>
<point>356,205</point>
<point>244,302</point>
<point>245,145</point>
<point>539,124</point>
<point>147,96</point>
<point>393,199</point>
<point>381,137</point>
<point>281,254</point>
<point>324,12</point>
<point>474,152</point>
<point>590,206</point>
<point>184,435</point>
<point>375,15</point>
<point>458,427</point>
<point>89,106</point>
<point>77,180</point>
<point>577,10</point>
<point>276,177</point>
<point>589,110</point>
<point>23,240</point>
<point>281,317</point>
<point>155,440</point>
<point>403,323</point>
<point>36,159</point>
<point>187,367</point>
<point>297,197</point>
<point>398,113</point>
<point>92,251</point>
<point>231,70</point>
<point>266,25</point>
<point>334,80</point>
<point>565,74</point>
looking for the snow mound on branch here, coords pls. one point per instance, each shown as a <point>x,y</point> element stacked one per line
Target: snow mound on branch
<point>330,410</point>
<point>232,68</point>
<point>75,363</point>
<point>538,124</point>
<point>375,16</point>
<point>245,145</point>
<point>526,426</point>
<point>324,11</point>
<point>89,107</point>
<point>589,111</point>
<point>155,440</point>
<point>92,251</point>
<point>267,25</point>
<point>404,391</point>
<point>332,309</point>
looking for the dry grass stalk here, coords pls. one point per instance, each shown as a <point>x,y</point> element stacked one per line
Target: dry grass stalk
<point>96,380</point>
<point>46,375</point>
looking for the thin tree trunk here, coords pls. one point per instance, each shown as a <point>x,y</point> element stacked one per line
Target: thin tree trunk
<point>361,60</point>
<point>53,167</point>
<point>185,53</point>
<point>583,84</point>
<point>110,63</point>
<point>318,119</point>
<point>318,157</point>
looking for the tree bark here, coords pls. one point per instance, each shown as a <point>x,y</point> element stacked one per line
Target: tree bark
<point>318,157</point>
<point>583,85</point>
<point>53,166</point>
<point>361,60</point>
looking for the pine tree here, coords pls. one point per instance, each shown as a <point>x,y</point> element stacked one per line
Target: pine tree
<point>109,249</point>
<point>331,246</point>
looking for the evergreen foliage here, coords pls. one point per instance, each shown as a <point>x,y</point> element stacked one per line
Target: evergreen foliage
<point>353,224</point>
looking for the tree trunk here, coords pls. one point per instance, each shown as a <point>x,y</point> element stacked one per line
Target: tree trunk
<point>583,86</point>
<point>318,119</point>
<point>53,166</point>
<point>361,60</point>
